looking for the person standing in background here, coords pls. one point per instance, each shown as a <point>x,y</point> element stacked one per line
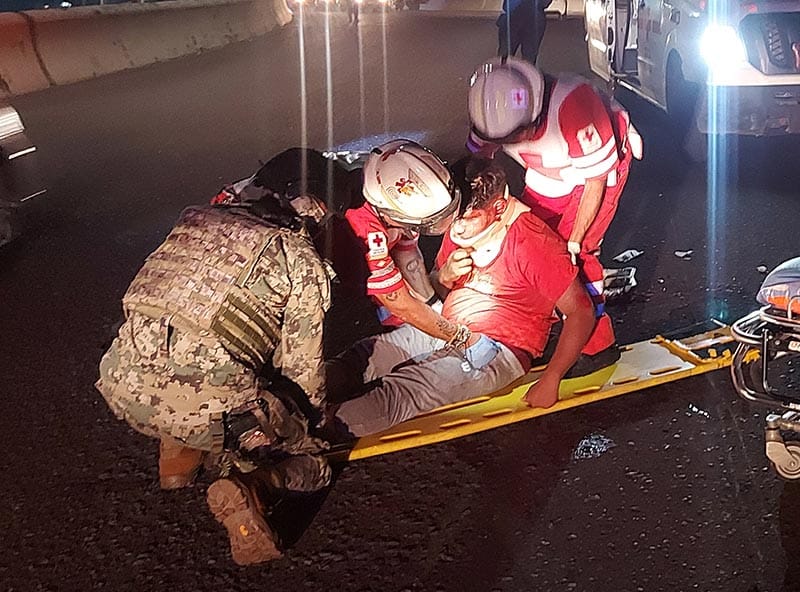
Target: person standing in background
<point>352,11</point>
<point>521,27</point>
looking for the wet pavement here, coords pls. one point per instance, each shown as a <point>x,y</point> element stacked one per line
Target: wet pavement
<point>666,489</point>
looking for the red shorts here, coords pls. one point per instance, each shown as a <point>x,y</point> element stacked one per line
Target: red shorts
<point>559,214</point>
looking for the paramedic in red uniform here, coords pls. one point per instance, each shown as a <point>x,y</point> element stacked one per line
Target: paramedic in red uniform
<point>576,147</point>
<point>502,271</point>
<point>408,191</point>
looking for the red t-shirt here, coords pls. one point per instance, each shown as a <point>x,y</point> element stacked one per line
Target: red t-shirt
<point>512,299</point>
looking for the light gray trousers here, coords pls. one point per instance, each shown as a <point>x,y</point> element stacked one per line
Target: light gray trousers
<point>412,375</point>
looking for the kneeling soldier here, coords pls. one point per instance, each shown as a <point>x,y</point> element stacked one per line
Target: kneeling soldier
<point>220,318</point>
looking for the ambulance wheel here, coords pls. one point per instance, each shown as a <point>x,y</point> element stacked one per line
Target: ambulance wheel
<point>790,470</point>
<point>680,94</point>
<point>695,144</point>
<point>681,103</point>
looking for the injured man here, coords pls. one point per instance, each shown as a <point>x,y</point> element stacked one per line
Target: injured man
<point>502,272</point>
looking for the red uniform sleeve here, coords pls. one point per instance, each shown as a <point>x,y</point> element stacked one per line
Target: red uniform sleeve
<point>384,276</point>
<point>589,132</point>
<point>544,260</point>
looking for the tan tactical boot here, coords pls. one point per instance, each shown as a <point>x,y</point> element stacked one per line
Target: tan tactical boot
<point>177,464</point>
<point>236,504</point>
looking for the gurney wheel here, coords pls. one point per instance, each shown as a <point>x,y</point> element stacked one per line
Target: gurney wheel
<point>790,470</point>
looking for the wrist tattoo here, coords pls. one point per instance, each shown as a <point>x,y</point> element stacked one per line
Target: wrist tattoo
<point>460,339</point>
<point>446,327</point>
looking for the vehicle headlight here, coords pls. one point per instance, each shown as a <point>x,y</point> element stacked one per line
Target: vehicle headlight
<point>721,47</point>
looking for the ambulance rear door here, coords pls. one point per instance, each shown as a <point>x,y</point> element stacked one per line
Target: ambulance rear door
<point>599,17</point>
<point>654,26</point>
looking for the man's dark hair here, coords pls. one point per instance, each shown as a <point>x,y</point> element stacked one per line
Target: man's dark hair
<point>487,181</point>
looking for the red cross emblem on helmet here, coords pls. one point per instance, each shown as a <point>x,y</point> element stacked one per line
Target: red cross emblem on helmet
<point>406,186</point>
<point>519,98</point>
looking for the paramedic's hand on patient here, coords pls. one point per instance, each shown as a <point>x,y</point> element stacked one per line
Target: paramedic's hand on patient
<point>483,351</point>
<point>458,264</point>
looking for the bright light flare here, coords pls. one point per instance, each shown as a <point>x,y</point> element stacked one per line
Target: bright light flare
<point>384,47</point>
<point>721,47</point>
<point>723,50</point>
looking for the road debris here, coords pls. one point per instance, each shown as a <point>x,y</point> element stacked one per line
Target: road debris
<point>617,282</point>
<point>684,254</point>
<point>695,410</point>
<point>592,446</point>
<point>626,256</point>
<point>761,269</point>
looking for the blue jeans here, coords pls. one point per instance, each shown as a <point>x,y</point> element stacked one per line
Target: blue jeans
<point>406,372</point>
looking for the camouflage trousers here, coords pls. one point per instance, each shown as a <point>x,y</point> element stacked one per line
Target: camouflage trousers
<point>166,382</point>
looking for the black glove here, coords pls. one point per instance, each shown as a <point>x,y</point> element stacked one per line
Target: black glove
<point>247,427</point>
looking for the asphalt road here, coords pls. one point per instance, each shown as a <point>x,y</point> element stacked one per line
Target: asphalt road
<point>680,498</point>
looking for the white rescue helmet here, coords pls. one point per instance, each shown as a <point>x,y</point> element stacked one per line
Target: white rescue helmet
<point>410,186</point>
<point>505,96</point>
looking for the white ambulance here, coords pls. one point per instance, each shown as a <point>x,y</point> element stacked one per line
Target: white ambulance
<point>733,64</point>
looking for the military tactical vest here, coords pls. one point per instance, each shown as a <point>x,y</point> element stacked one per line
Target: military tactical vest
<point>195,280</point>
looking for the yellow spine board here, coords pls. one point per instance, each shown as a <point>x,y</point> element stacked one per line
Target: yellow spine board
<point>642,365</point>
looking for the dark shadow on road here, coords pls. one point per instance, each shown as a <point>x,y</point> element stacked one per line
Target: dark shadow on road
<point>294,514</point>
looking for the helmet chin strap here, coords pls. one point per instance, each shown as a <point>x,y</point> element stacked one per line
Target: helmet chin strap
<point>485,246</point>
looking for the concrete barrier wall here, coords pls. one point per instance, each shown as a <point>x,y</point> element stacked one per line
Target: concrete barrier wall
<point>20,71</point>
<point>464,5</point>
<point>85,42</point>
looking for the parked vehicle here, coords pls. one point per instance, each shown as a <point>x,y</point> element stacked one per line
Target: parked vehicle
<point>733,65</point>
<point>19,179</point>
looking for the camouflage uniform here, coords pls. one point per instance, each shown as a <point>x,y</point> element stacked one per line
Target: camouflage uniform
<point>224,295</point>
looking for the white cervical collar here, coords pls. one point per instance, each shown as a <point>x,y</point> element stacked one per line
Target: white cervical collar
<point>485,246</point>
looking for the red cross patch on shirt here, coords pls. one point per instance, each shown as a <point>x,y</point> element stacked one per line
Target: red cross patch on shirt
<point>377,244</point>
<point>589,139</point>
